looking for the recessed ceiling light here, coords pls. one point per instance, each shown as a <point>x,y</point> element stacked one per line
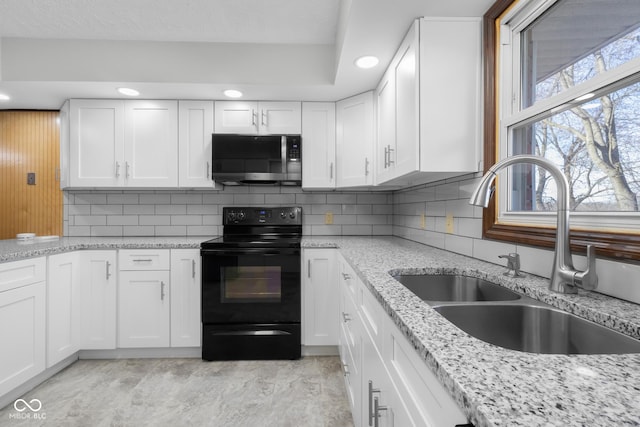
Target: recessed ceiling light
<point>127,91</point>
<point>232,93</point>
<point>367,62</point>
<point>4,97</point>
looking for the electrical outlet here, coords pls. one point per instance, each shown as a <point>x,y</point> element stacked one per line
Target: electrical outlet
<point>31,178</point>
<point>328,218</point>
<point>449,223</point>
<point>423,221</point>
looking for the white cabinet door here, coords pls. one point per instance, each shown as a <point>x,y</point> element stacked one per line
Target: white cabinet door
<point>354,140</point>
<point>96,146</point>
<point>318,145</point>
<point>386,125</point>
<point>185,298</point>
<point>236,117</point>
<point>23,334</point>
<point>278,118</point>
<point>320,296</point>
<point>195,126</point>
<point>405,156</point>
<point>144,309</point>
<point>98,300</point>
<point>63,306</point>
<point>264,118</point>
<point>151,143</point>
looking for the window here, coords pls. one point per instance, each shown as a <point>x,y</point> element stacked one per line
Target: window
<point>568,75</point>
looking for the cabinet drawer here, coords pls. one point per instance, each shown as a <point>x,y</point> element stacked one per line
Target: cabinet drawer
<point>371,313</point>
<point>21,273</point>
<point>425,398</point>
<point>144,259</point>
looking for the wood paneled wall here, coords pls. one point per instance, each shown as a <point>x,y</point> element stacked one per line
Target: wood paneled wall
<point>30,142</point>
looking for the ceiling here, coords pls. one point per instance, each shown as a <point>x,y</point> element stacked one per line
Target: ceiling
<point>52,50</point>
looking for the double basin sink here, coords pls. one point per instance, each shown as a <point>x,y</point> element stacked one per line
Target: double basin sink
<point>505,318</point>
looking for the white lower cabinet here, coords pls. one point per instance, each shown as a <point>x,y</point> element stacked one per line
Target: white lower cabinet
<point>98,299</point>
<point>144,311</point>
<point>22,321</point>
<point>63,307</point>
<point>387,383</point>
<point>185,298</point>
<point>320,307</point>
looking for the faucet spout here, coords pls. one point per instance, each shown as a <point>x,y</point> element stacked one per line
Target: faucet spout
<point>564,277</point>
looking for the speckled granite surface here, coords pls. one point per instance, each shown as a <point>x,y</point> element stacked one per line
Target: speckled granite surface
<point>12,250</point>
<point>495,386</point>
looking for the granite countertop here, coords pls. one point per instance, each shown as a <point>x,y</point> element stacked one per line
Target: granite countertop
<point>13,250</point>
<point>496,386</point>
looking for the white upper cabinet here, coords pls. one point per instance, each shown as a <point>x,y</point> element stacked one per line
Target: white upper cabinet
<point>195,126</point>
<point>354,141</point>
<point>96,149</point>
<point>258,118</point>
<point>319,145</point>
<point>151,143</point>
<point>429,104</point>
<point>117,143</point>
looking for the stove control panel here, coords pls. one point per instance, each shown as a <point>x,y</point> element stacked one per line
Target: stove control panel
<point>291,215</point>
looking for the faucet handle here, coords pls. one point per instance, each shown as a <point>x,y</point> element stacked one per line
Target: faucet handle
<point>513,263</point>
<point>588,279</point>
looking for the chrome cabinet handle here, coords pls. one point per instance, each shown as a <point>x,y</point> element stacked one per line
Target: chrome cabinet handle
<point>193,268</point>
<point>263,118</point>
<point>254,117</point>
<point>346,276</point>
<point>370,411</point>
<point>331,171</point>
<point>376,411</point>
<point>346,317</point>
<point>208,170</point>
<point>161,291</point>
<point>390,150</point>
<point>366,166</point>
<point>142,260</point>
<point>386,157</point>
<point>126,164</point>
<point>117,169</point>
<point>309,268</point>
<point>345,369</point>
<point>108,268</point>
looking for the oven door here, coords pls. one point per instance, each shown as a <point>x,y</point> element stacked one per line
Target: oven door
<point>251,285</point>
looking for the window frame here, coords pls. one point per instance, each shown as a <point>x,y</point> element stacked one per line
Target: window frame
<point>608,244</point>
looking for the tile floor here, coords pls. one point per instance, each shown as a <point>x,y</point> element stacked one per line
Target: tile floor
<point>190,392</point>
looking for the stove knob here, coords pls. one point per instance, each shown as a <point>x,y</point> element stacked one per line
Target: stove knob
<point>231,216</point>
<point>292,214</point>
<point>241,216</point>
<point>283,215</point>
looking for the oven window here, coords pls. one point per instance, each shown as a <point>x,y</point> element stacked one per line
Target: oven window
<point>259,284</point>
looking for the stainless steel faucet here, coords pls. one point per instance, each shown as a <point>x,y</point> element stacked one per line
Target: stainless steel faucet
<point>564,277</point>
<point>513,264</point>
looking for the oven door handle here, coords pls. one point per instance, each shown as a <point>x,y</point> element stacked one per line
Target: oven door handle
<point>250,251</point>
<point>270,332</point>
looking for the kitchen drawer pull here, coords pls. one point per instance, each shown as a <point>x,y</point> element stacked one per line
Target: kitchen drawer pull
<point>142,260</point>
<point>345,369</point>
<point>346,317</point>
<point>390,151</point>
<point>254,116</point>
<point>193,268</point>
<point>108,268</point>
<point>376,411</point>
<point>117,169</point>
<point>161,291</point>
<point>126,165</point>
<point>264,118</point>
<point>346,276</point>
<point>370,408</point>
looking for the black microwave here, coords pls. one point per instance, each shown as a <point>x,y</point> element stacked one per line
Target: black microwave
<point>257,159</point>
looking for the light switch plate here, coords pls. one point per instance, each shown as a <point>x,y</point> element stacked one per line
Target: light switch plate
<point>449,223</point>
<point>31,178</point>
<point>328,218</point>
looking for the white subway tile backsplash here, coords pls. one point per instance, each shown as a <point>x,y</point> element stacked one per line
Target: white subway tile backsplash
<point>176,213</point>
